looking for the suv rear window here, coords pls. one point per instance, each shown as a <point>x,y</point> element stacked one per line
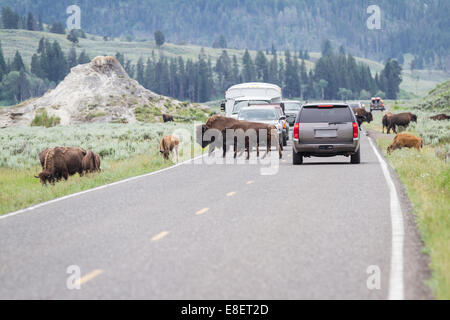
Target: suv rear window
<point>315,114</point>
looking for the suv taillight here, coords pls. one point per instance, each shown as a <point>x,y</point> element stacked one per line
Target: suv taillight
<point>355,130</point>
<point>296,131</point>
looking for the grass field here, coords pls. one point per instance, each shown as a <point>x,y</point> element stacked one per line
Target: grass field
<point>420,82</point>
<point>426,177</point>
<point>126,150</point>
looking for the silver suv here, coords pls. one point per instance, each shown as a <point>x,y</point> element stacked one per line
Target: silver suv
<point>326,130</point>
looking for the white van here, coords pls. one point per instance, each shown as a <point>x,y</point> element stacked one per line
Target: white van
<point>245,94</point>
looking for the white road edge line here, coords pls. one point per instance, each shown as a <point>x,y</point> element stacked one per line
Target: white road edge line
<point>7,215</point>
<point>396,288</point>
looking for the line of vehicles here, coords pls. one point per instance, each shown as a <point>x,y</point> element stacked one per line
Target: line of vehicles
<point>319,129</point>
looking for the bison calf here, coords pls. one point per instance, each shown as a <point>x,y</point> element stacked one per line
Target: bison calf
<point>167,145</point>
<point>405,140</point>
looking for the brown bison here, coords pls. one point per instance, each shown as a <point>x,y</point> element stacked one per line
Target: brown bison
<point>250,132</point>
<point>91,162</point>
<point>218,123</point>
<point>167,118</point>
<point>363,116</point>
<point>405,140</point>
<point>401,119</point>
<point>42,155</point>
<point>60,162</point>
<point>167,145</point>
<point>440,117</point>
<point>385,119</point>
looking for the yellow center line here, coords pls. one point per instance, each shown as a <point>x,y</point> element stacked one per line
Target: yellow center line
<point>160,235</point>
<point>201,211</point>
<point>89,276</point>
<point>230,194</point>
<point>250,182</point>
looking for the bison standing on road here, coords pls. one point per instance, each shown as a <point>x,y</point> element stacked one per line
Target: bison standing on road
<point>167,145</point>
<point>218,123</point>
<point>405,140</point>
<point>401,119</point>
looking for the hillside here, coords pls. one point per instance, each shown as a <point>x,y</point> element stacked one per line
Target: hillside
<point>27,43</point>
<point>99,91</point>
<point>420,27</point>
<point>437,100</point>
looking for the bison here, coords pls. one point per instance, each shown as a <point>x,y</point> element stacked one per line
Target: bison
<point>401,119</point>
<point>251,132</point>
<point>167,118</point>
<point>218,123</point>
<point>167,145</point>
<point>405,140</point>
<point>71,156</point>
<point>91,162</point>
<point>385,119</point>
<point>440,117</point>
<point>363,116</point>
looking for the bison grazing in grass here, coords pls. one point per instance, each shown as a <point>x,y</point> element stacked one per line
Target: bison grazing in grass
<point>440,117</point>
<point>167,118</point>
<point>167,145</point>
<point>401,119</point>
<point>405,140</point>
<point>91,162</point>
<point>60,162</point>
<point>363,116</point>
<point>42,156</point>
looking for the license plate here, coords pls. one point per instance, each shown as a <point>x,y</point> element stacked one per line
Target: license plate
<point>325,133</point>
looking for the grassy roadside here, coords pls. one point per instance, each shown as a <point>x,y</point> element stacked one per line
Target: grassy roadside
<point>19,189</point>
<point>427,181</point>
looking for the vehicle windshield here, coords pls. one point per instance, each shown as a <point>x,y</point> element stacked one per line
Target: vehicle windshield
<point>354,106</point>
<point>291,106</point>
<point>318,115</point>
<point>238,105</point>
<point>258,114</point>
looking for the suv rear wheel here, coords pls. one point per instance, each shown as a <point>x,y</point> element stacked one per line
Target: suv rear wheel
<point>297,158</point>
<point>356,158</point>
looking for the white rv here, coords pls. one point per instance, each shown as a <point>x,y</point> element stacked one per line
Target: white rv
<point>244,94</point>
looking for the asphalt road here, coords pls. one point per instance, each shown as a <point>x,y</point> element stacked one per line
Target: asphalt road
<point>214,232</point>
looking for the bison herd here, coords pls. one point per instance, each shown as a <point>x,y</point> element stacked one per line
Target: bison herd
<point>61,162</point>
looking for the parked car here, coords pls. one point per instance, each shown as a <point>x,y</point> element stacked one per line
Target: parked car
<point>326,130</point>
<point>291,109</point>
<point>264,114</point>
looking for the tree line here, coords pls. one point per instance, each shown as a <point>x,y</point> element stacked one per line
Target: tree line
<point>335,75</point>
<point>417,27</point>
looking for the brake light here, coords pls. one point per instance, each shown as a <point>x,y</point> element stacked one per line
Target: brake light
<point>325,106</point>
<point>296,131</point>
<point>284,125</point>
<point>355,130</point>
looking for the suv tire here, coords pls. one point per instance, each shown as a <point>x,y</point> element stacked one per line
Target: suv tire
<point>356,158</point>
<point>284,141</point>
<point>297,158</point>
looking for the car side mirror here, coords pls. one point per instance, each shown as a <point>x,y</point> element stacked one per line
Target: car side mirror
<point>222,106</point>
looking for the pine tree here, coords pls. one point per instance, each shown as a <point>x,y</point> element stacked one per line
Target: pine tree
<point>10,19</point>
<point>262,69</point>
<point>36,66</point>
<point>57,27</point>
<point>72,58</point>
<point>273,70</point>
<point>235,72</point>
<point>3,67</point>
<point>17,64</point>
<point>327,49</point>
<point>83,58</point>
<point>248,69</point>
<point>31,22</point>
<point>140,71</point>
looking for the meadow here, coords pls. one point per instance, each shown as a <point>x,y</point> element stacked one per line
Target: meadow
<point>426,177</point>
<point>126,150</point>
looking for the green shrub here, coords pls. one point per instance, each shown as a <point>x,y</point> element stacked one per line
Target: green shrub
<point>43,120</point>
